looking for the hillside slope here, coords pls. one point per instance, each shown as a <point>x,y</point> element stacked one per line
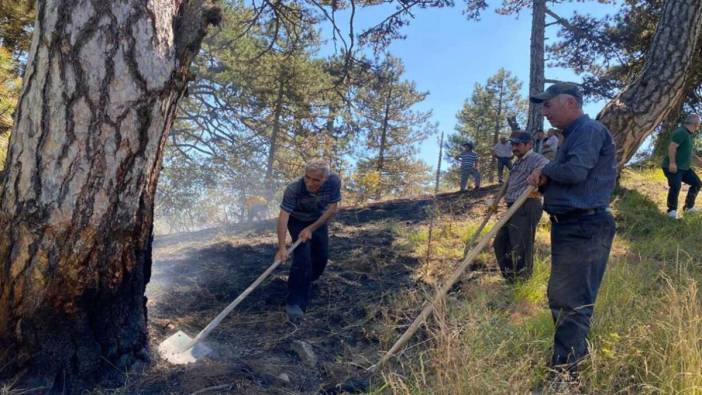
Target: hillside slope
<point>487,338</point>
<point>196,275</point>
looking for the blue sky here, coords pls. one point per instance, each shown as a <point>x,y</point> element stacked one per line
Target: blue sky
<point>446,54</point>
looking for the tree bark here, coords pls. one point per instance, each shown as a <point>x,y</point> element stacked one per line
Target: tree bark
<point>277,113</point>
<point>636,112</point>
<point>535,120</point>
<point>383,143</point>
<point>496,135</point>
<point>76,204</point>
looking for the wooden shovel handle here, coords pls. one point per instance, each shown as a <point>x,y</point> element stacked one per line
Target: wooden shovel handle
<point>217,320</point>
<point>429,307</point>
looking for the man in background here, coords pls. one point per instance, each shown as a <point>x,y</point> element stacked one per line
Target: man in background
<point>550,145</point>
<point>676,165</point>
<point>503,153</point>
<point>514,242</point>
<point>469,166</point>
<point>256,208</point>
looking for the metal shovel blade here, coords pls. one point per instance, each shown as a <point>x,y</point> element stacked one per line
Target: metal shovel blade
<point>174,349</point>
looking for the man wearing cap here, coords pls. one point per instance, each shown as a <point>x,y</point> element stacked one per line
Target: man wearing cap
<point>676,166</point>
<point>577,188</point>
<point>514,243</point>
<point>469,166</point>
<point>503,153</point>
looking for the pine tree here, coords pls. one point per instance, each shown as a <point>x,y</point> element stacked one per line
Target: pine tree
<point>392,129</point>
<point>484,115</point>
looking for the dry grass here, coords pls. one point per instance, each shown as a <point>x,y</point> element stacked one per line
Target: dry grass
<point>492,338</point>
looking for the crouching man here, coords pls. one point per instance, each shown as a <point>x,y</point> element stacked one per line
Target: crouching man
<point>307,206</point>
<point>514,243</point>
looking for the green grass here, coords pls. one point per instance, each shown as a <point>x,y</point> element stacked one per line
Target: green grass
<point>646,333</point>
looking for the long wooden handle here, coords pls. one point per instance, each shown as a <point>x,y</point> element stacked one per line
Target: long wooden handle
<point>217,320</point>
<point>488,215</point>
<point>429,307</point>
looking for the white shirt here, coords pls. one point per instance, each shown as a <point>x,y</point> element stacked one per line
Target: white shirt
<point>503,150</point>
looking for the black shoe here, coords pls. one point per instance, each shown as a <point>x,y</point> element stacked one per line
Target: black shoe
<point>294,311</point>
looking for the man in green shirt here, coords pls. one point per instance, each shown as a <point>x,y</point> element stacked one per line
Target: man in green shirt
<point>676,165</point>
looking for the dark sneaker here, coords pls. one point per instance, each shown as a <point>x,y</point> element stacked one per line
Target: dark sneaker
<point>294,312</point>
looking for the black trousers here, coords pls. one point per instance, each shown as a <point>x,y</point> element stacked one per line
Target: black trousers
<point>309,261</point>
<point>675,181</point>
<point>579,252</point>
<point>514,242</point>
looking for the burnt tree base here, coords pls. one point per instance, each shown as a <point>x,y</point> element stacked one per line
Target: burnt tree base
<point>69,353</point>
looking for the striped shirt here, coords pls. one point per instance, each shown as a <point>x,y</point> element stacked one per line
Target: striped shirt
<point>468,159</point>
<point>522,168</point>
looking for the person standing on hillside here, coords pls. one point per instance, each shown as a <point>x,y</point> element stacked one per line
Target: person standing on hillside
<point>503,153</point>
<point>549,146</point>
<point>308,205</point>
<point>676,165</point>
<point>577,189</point>
<point>469,166</point>
<point>539,138</point>
<point>514,242</point>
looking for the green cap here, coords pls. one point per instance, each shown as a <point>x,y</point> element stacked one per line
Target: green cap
<point>559,88</point>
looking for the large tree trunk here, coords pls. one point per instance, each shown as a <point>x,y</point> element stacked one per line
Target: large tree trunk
<point>99,96</point>
<point>635,113</point>
<point>535,121</point>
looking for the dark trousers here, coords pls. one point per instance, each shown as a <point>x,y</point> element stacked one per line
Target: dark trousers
<point>675,181</point>
<point>501,164</point>
<point>469,172</point>
<point>579,252</point>
<point>514,243</point>
<point>309,261</point>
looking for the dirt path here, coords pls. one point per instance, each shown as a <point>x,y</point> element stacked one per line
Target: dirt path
<point>256,350</point>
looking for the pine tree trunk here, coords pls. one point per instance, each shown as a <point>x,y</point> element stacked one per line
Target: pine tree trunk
<point>535,120</point>
<point>383,143</point>
<point>277,114</point>
<point>99,96</point>
<point>636,112</point>
<point>496,135</point>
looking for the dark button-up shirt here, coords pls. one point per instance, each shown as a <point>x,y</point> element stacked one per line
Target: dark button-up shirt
<point>307,206</point>
<point>585,169</point>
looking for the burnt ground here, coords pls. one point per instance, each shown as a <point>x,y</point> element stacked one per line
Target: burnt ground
<point>195,275</point>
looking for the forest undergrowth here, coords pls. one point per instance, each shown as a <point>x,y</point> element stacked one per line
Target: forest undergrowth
<point>489,337</point>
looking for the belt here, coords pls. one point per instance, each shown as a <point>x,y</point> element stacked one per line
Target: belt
<point>577,213</point>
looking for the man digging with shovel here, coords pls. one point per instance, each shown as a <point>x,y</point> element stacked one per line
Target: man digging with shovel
<point>307,206</point>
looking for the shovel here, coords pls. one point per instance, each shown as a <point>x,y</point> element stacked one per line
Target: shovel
<point>361,384</point>
<point>181,349</point>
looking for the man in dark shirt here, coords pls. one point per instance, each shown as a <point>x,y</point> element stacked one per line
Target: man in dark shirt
<point>307,206</point>
<point>677,166</point>
<point>577,188</point>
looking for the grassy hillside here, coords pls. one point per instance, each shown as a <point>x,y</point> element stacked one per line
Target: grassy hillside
<point>494,338</point>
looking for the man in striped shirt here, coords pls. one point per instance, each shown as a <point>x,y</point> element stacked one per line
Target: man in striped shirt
<point>469,166</point>
<point>514,243</point>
